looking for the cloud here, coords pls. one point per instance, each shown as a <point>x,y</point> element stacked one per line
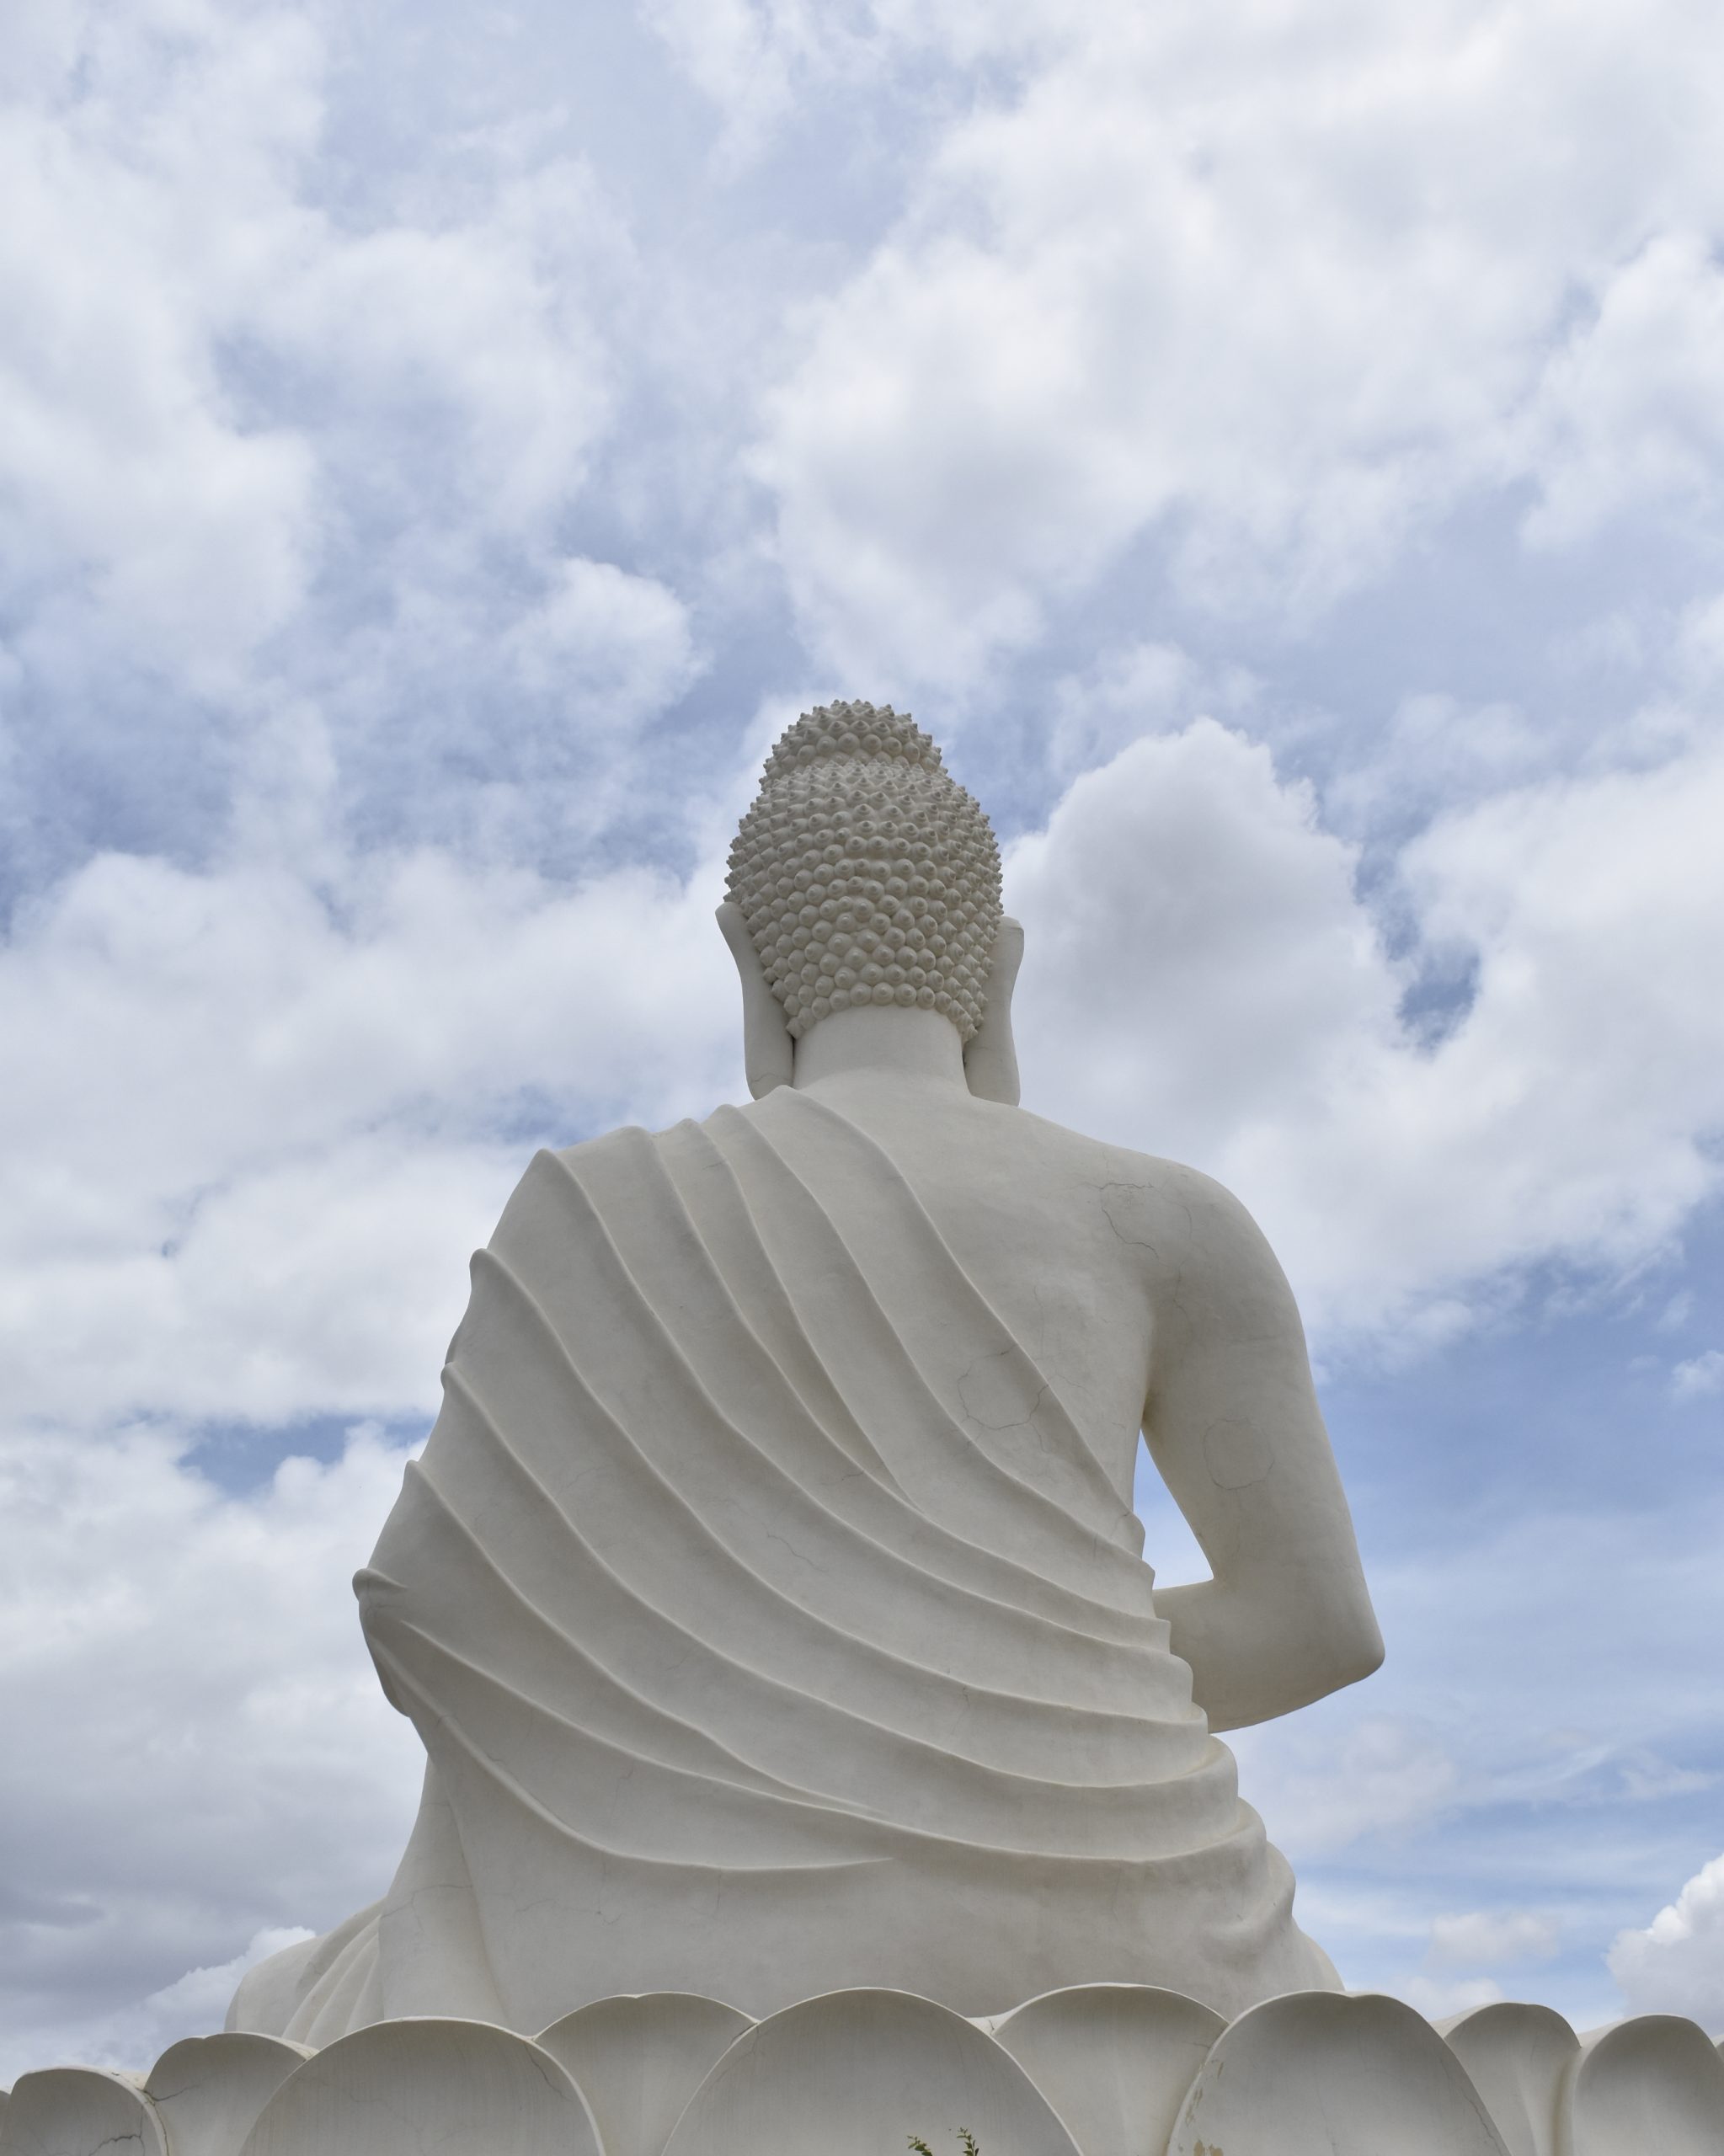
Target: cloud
<point>1676,1964</point>
<point>193,2005</point>
<point>1624,405</point>
<point>1196,938</point>
<point>620,642</point>
<point>1437,754</point>
<point>285,455</point>
<point>1134,689</point>
<point>208,1755</point>
<point>256,1125</point>
<point>1205,980</point>
<point>1699,1377</point>
<point>142,502</point>
<point>1282,297</point>
<point>751,60</point>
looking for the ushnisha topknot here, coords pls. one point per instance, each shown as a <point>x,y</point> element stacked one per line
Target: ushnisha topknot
<point>866,873</point>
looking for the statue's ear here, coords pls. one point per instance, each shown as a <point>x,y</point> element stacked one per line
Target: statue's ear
<point>991,1060</point>
<point>767,1049</point>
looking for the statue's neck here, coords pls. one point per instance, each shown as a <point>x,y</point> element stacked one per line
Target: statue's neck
<point>882,1042</point>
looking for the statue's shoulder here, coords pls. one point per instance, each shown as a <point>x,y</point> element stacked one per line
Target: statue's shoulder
<point>627,1139</point>
<point>1105,1162</point>
<point>541,1195</point>
<point>1164,1205</point>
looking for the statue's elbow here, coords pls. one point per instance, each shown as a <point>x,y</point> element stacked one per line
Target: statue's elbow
<point>1342,1647</point>
<point>1356,1653</point>
<point>1307,1662</point>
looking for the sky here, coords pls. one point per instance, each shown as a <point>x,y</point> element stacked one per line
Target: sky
<point>1276,450</point>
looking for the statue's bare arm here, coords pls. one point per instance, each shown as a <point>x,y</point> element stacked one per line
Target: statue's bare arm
<point>1233,1426</point>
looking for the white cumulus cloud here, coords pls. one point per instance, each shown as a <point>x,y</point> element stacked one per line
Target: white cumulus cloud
<point>1286,291</point>
<point>1204,979</point>
<point>621,643</point>
<point>255,1125</point>
<point>1676,1964</point>
<point>220,1761</point>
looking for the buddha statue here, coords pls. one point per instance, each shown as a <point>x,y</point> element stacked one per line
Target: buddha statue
<point>768,1597</point>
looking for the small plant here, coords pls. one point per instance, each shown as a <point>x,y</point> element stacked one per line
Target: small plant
<point>970,2145</point>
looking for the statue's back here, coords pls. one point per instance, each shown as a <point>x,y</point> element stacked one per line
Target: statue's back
<point>768,1597</point>
<point>1071,1241</point>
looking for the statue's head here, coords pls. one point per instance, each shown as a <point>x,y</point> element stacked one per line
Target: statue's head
<point>866,874</point>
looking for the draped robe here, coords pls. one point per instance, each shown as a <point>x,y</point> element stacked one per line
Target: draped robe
<point>772,1626</point>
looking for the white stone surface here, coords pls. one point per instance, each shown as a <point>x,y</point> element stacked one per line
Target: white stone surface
<point>427,2087</point>
<point>639,2060</point>
<point>1100,2070</point>
<point>858,2071</point>
<point>1115,2061</point>
<point>768,1597</point>
<point>1654,2086</point>
<point>209,2090</point>
<point>79,2110</point>
<point>1516,2058</point>
<point>1321,2074</point>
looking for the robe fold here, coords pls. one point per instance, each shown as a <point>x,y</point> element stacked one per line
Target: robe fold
<point>772,1626</point>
